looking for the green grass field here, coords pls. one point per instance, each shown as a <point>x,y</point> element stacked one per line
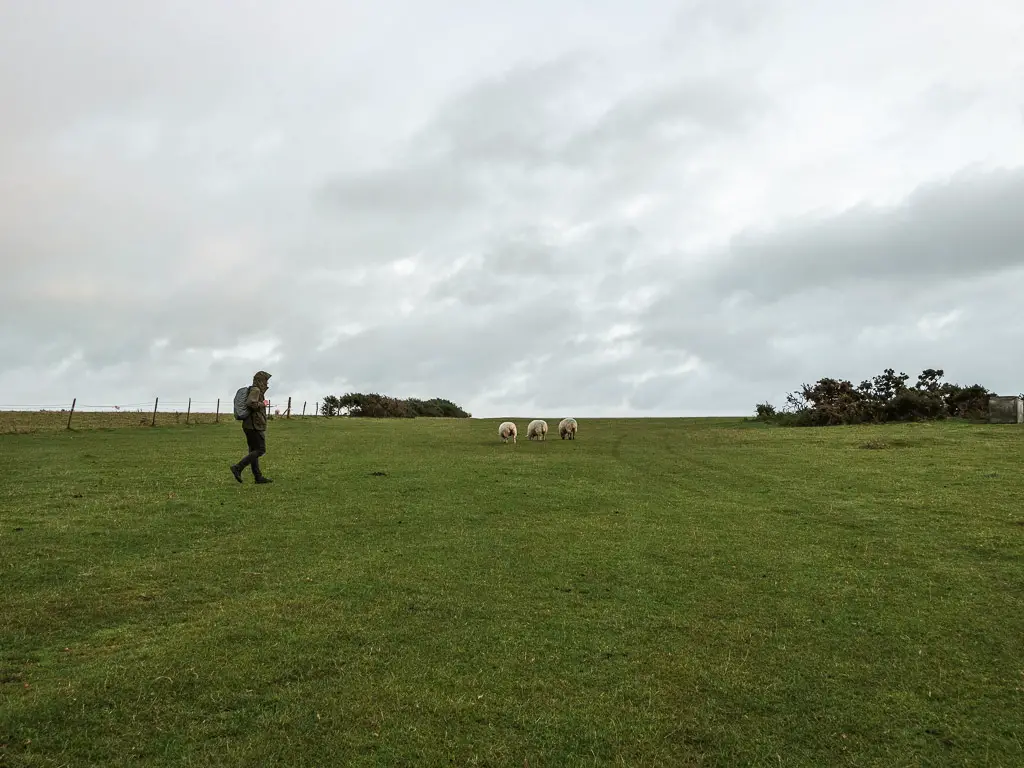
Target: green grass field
<point>655,593</point>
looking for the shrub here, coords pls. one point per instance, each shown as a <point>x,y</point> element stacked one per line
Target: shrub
<point>884,398</point>
<point>331,406</point>
<point>377,406</point>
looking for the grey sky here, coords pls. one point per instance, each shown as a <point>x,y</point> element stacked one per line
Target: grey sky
<point>603,208</point>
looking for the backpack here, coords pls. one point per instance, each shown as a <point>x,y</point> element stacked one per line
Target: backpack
<point>241,409</point>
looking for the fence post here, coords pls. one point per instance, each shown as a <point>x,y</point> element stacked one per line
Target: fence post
<point>154,411</point>
<point>188,413</point>
<point>288,411</point>
<point>217,420</point>
<point>303,409</point>
<point>316,408</point>
<point>73,401</point>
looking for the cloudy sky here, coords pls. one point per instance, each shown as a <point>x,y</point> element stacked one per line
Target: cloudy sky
<point>585,207</point>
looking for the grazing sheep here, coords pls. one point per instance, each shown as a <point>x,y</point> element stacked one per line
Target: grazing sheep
<point>567,429</point>
<point>507,430</point>
<point>537,428</point>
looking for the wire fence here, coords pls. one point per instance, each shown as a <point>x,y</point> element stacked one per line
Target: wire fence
<point>154,412</point>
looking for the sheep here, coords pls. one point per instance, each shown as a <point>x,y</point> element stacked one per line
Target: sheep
<point>537,428</point>
<point>506,430</point>
<point>567,429</point>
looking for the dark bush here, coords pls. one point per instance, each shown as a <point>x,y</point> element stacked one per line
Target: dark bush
<point>885,398</point>
<point>377,406</point>
<point>966,402</point>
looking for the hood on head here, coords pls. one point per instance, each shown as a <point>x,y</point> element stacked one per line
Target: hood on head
<point>261,380</point>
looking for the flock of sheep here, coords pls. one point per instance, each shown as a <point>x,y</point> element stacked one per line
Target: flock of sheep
<point>537,430</point>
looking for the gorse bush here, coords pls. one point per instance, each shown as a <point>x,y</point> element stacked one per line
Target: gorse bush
<point>884,398</point>
<point>376,406</point>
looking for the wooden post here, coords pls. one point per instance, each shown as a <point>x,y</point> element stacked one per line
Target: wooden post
<point>73,401</point>
<point>188,413</point>
<point>288,410</point>
<point>303,409</point>
<point>316,408</point>
<point>218,411</point>
<point>154,411</point>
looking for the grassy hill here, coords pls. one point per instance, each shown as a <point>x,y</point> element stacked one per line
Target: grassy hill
<point>657,592</point>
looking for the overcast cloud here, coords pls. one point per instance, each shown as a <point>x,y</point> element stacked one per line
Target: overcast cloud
<point>568,207</point>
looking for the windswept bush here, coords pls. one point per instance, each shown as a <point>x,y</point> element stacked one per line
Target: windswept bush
<point>884,398</point>
<point>377,406</point>
<point>331,406</point>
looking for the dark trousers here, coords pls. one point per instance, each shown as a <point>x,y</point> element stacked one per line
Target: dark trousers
<point>257,442</point>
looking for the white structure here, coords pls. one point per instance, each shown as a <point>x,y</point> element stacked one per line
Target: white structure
<point>1006,409</point>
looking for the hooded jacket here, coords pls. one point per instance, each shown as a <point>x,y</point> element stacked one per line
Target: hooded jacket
<point>257,418</point>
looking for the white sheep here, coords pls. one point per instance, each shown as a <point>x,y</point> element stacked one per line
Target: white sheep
<point>567,429</point>
<point>506,430</point>
<point>537,428</point>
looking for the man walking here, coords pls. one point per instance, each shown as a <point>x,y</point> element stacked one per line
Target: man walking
<point>255,428</point>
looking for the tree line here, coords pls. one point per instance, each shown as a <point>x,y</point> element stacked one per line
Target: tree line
<point>884,398</point>
<point>377,406</point>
